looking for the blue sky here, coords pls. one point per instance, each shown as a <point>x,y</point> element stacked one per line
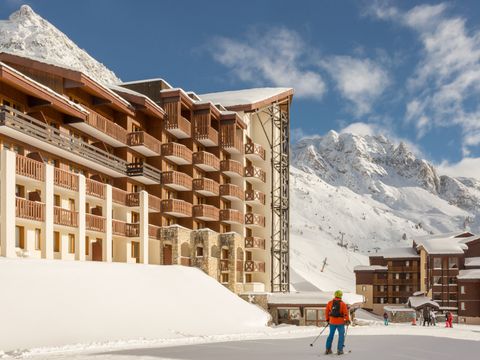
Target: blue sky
<point>407,69</point>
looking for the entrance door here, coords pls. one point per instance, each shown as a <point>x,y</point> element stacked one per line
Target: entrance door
<point>167,254</point>
<point>97,250</point>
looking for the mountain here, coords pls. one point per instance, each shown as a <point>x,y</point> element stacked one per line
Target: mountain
<point>27,34</point>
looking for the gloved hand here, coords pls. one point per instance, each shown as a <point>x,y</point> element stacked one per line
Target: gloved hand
<point>348,322</point>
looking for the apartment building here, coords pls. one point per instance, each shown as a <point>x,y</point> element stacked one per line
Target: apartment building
<point>445,267</point>
<point>143,172</point>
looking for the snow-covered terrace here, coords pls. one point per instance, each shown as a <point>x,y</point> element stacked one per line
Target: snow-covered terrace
<point>470,274</point>
<point>472,262</point>
<point>399,252</point>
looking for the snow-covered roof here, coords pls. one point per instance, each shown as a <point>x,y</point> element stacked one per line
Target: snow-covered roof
<point>146,81</point>
<point>311,297</point>
<point>246,96</point>
<point>124,90</point>
<point>470,274</point>
<point>444,246</point>
<point>370,268</point>
<point>397,309</point>
<point>472,262</point>
<point>420,301</point>
<point>399,252</point>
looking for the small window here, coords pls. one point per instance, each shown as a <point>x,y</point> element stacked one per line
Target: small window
<point>397,276</point>
<point>407,263</point>
<point>224,278</point>
<point>462,289</point>
<point>20,237</point>
<point>87,245</point>
<point>364,288</point>
<point>437,263</point>
<point>437,280</point>
<point>462,306</point>
<point>56,241</point>
<point>437,296</point>
<point>199,251</point>
<point>71,243</point>
<point>20,191</point>
<point>453,263</point>
<point>452,296</point>
<point>38,239</point>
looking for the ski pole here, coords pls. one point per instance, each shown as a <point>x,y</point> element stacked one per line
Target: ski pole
<point>321,332</point>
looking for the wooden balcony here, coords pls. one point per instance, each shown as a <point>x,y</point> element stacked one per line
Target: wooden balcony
<point>178,126</point>
<point>206,212</point>
<point>154,203</point>
<point>94,223</point>
<point>231,216</point>
<point>185,261</point>
<point>122,197</point>
<point>231,139</point>
<point>154,232</point>
<point>206,135</point>
<point>224,264</point>
<point>65,179</point>
<point>177,208</point>
<point>255,197</point>
<point>144,143</point>
<point>176,180</point>
<point>206,161</point>
<point>121,228</point>
<point>30,168</point>
<point>104,129</point>
<point>253,242</point>
<point>255,174</point>
<point>30,210</point>
<point>256,220</point>
<point>254,266</point>
<point>206,187</point>
<point>65,217</point>
<point>144,173</point>
<point>177,153</point>
<point>95,188</point>
<point>231,168</point>
<point>254,151</point>
<point>231,192</point>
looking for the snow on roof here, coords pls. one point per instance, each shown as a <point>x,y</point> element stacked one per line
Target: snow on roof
<point>397,309</point>
<point>473,261</point>
<point>450,235</point>
<point>135,93</point>
<point>243,97</point>
<point>369,267</point>
<point>419,301</point>
<point>311,297</point>
<point>470,274</point>
<point>444,246</point>
<point>146,81</point>
<point>399,252</point>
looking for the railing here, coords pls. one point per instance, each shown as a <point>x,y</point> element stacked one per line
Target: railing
<point>206,133</point>
<point>178,122</point>
<point>206,158</point>
<point>255,149</point>
<point>30,210</point>
<point>177,206</point>
<point>119,196</point>
<point>254,266</point>
<point>177,150</point>
<point>255,172</point>
<point>30,168</point>
<point>95,188</point>
<point>107,126</point>
<point>65,217</point>
<point>231,138</point>
<point>177,178</point>
<point>139,138</point>
<point>253,242</point>
<point>185,261</point>
<point>65,179</point>
<point>133,199</point>
<point>224,265</point>
<point>206,211</point>
<point>204,184</point>
<point>254,219</point>
<point>231,215</point>
<point>154,203</point>
<point>95,222</point>
<point>143,169</point>
<point>255,195</point>
<point>122,228</point>
<point>231,190</point>
<point>231,166</point>
<point>154,232</point>
<point>30,126</point>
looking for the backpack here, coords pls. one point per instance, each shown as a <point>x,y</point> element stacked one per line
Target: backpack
<point>336,312</point>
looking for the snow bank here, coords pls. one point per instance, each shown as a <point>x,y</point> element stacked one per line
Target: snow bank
<point>54,303</point>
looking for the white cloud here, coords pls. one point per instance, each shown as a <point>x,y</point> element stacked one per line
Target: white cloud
<point>361,128</point>
<point>467,167</point>
<point>277,57</point>
<point>360,81</point>
<point>297,134</point>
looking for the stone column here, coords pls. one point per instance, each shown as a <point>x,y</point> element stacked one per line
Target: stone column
<point>80,236</point>
<point>107,241</point>
<point>7,199</point>
<point>143,227</point>
<point>48,194</point>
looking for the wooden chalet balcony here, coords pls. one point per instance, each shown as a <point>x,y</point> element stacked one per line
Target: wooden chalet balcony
<point>30,168</point>
<point>231,139</point>
<point>144,173</point>
<point>231,216</point>
<point>254,266</point>
<point>185,261</point>
<point>224,264</point>
<point>178,126</point>
<point>231,168</point>
<point>144,143</point>
<point>231,192</point>
<point>177,208</point>
<point>94,223</point>
<point>119,196</point>
<point>121,228</point>
<point>30,210</point>
<point>154,232</point>
<point>122,197</point>
<point>253,242</point>
<point>255,197</point>
<point>29,130</point>
<point>177,153</point>
<point>255,174</point>
<point>65,179</point>
<point>254,151</point>
<point>206,212</point>
<point>206,161</point>
<point>252,219</point>
<point>206,187</point>
<point>154,203</point>
<point>95,188</point>
<point>206,135</point>
<point>177,180</point>
<point>106,127</point>
<point>65,217</point>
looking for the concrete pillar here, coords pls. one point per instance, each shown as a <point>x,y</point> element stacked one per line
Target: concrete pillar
<point>48,197</point>
<point>143,227</point>
<point>7,199</point>
<point>107,241</point>
<point>80,235</point>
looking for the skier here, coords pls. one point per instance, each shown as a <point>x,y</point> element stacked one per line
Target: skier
<point>337,316</point>
<point>385,318</point>
<point>433,318</point>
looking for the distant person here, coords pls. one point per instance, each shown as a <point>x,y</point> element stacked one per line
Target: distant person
<point>433,318</point>
<point>449,319</point>
<point>385,318</point>
<point>337,316</point>
<point>426,317</point>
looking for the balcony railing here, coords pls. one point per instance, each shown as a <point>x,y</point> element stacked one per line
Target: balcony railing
<point>177,208</point>
<point>206,212</point>
<point>141,169</point>
<point>254,219</point>
<point>154,232</point>
<point>231,192</point>
<point>206,135</point>
<point>154,203</point>
<point>224,264</point>
<point>231,216</point>
<point>122,228</point>
<point>177,180</point>
<point>231,139</point>
<point>142,138</point>
<point>206,187</point>
<point>95,188</point>
<point>177,153</point>
<point>65,217</point>
<point>178,126</point>
<point>254,151</point>
<point>253,242</point>
<point>254,266</point>
<point>255,196</point>
<point>30,210</point>
<point>206,161</point>
<point>95,222</point>
<point>30,168</point>
<point>255,173</point>
<point>107,126</point>
<point>231,168</point>
<point>65,179</point>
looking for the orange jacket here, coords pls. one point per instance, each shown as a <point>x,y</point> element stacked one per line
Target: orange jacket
<point>343,311</point>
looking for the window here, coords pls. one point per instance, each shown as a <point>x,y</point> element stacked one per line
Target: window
<point>71,204</point>
<point>437,263</point>
<point>314,317</point>
<point>437,296</point>
<point>71,243</point>
<point>452,296</point>
<point>397,276</point>
<point>462,306</point>
<point>56,241</point>
<point>397,288</point>
<point>20,237</point>
<point>56,200</point>
<point>135,217</point>
<point>397,300</point>
<point>453,263</point>
<point>437,280</point>
<point>364,288</point>
<point>38,239</point>
<point>135,250</point>
<point>407,276</point>
<point>199,251</point>
<point>462,290</point>
<point>382,300</point>
<point>20,191</point>
<point>87,245</point>
<point>452,281</point>
<point>224,278</point>
<point>407,263</point>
